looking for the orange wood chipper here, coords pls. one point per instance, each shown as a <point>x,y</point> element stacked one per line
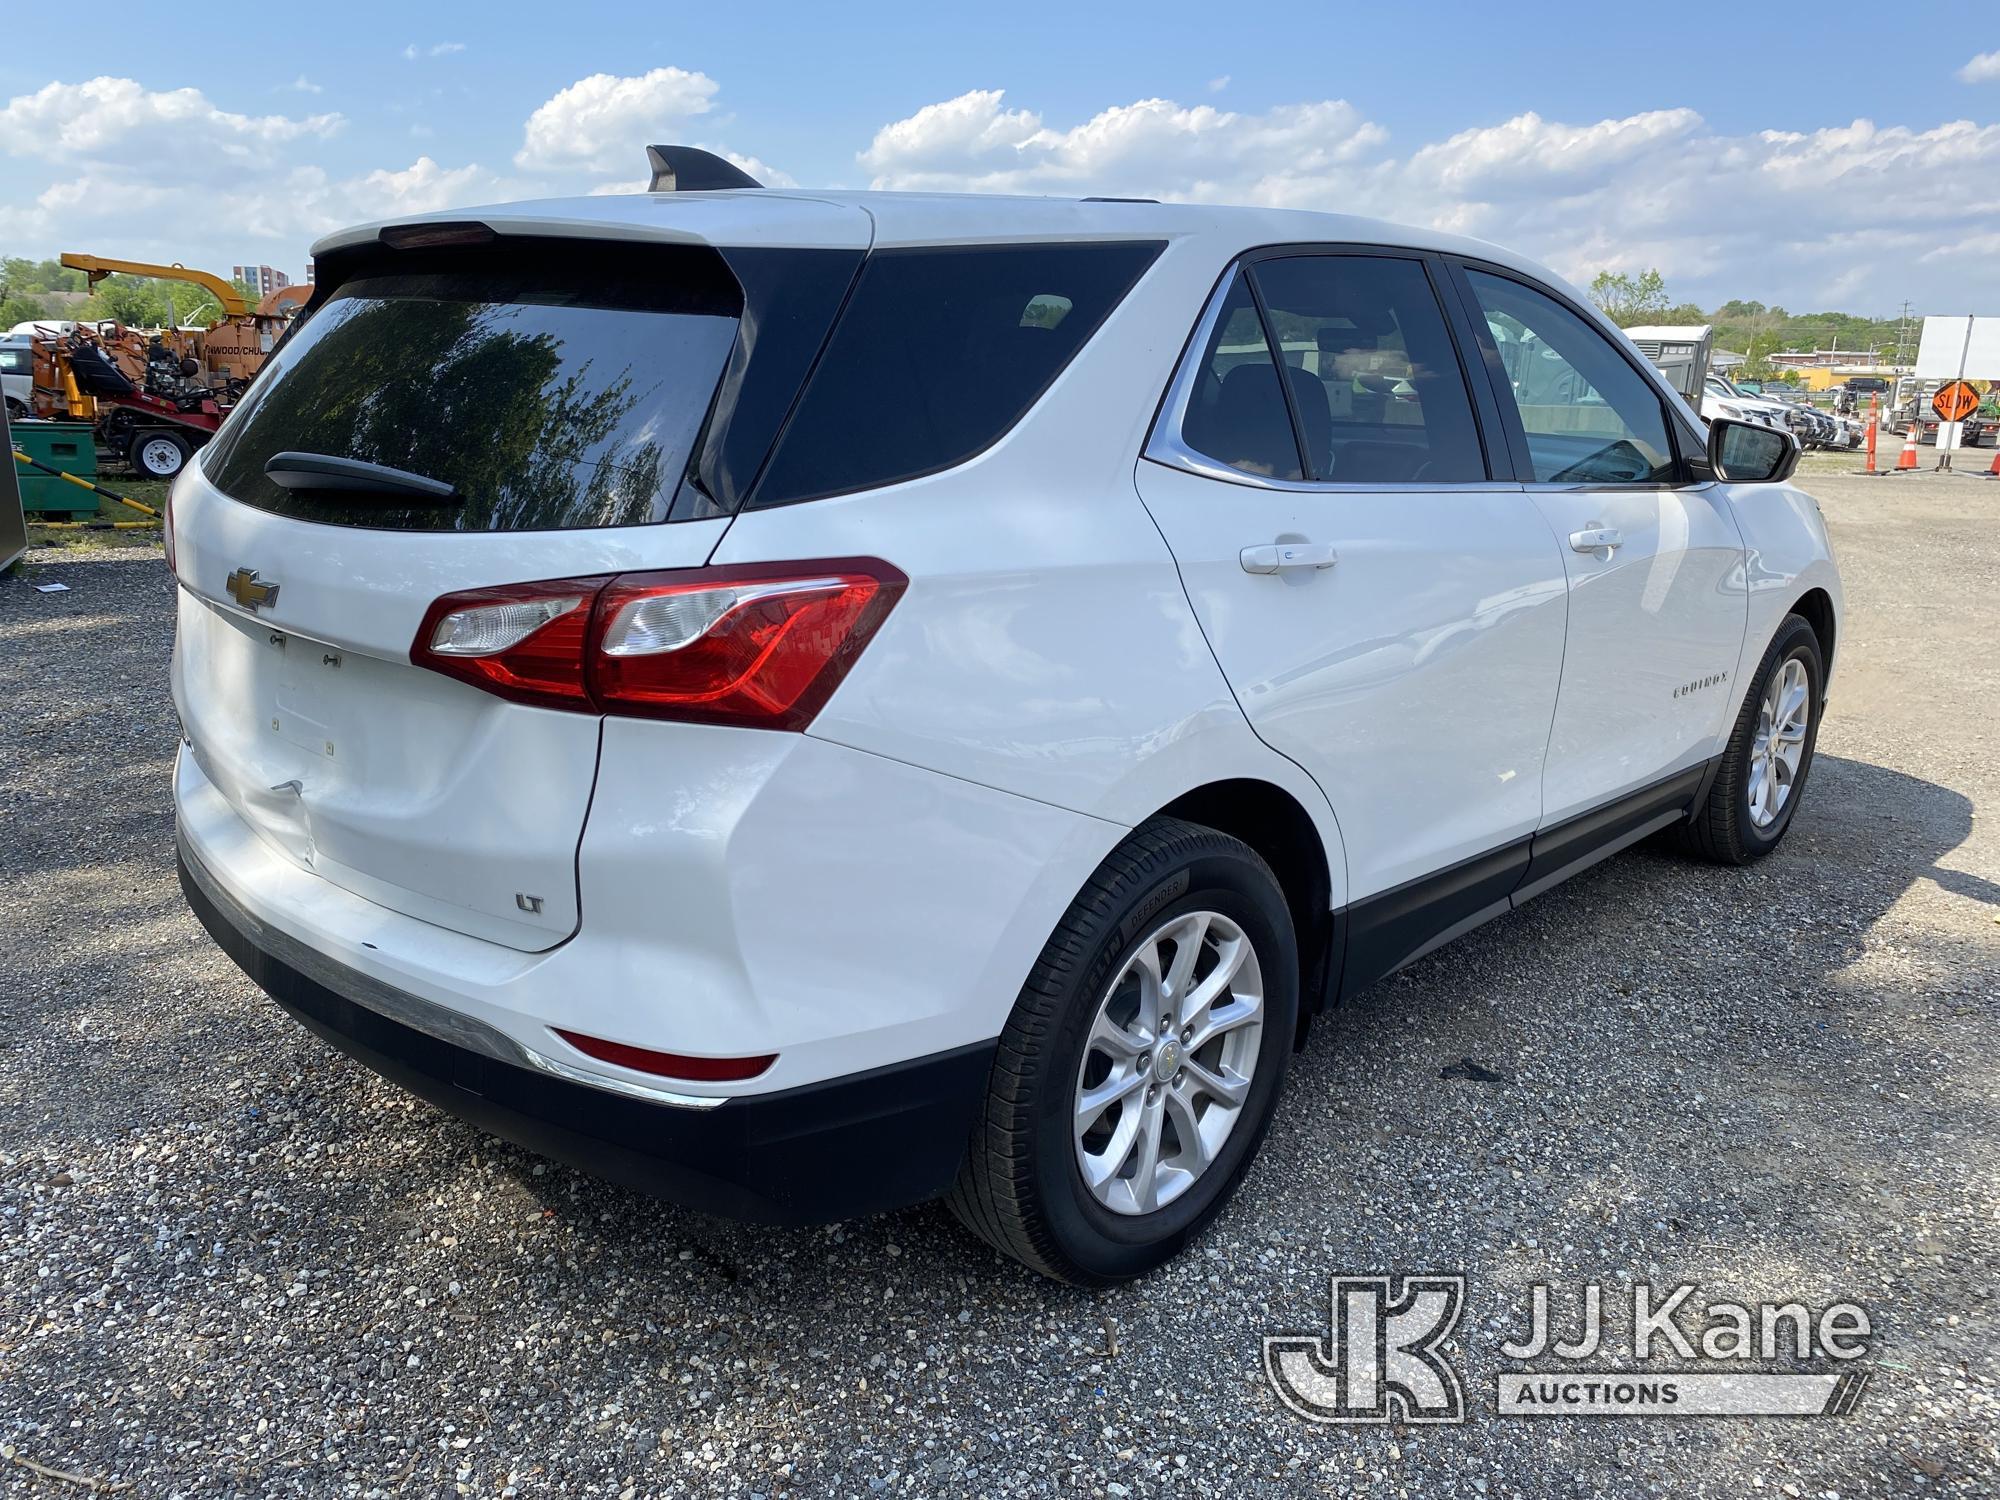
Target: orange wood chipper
<point>153,398</point>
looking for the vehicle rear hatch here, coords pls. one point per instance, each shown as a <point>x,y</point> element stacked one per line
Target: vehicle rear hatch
<point>588,405</point>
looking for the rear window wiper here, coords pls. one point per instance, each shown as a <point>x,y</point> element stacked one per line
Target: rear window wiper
<point>354,476</point>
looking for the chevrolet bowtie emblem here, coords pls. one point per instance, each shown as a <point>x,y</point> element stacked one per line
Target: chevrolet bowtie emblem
<point>244,588</point>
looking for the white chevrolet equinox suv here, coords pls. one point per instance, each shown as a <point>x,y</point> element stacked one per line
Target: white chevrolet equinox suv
<point>807,702</point>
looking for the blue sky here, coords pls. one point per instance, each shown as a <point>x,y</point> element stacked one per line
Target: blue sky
<point>1719,143</point>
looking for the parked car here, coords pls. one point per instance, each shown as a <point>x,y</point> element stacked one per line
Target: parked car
<point>17,376</point>
<point>955,742</point>
<point>1813,428</point>
<point>1721,398</point>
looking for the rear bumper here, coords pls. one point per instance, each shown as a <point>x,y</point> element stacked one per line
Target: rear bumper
<point>831,1150</point>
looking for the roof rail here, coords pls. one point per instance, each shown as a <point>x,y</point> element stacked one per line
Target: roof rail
<point>689,169</point>
<point>1095,199</point>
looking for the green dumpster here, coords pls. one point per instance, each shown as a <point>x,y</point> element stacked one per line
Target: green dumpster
<point>60,445</point>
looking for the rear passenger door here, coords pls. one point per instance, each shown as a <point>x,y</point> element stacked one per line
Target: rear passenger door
<point>1655,560</point>
<point>1389,616</point>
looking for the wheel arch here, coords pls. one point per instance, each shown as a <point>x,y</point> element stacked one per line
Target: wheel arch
<point>1277,825</point>
<point>1815,606</point>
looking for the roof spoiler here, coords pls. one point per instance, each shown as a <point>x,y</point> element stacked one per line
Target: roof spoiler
<point>689,169</point>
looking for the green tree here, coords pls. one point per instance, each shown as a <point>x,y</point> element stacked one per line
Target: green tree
<point>20,275</point>
<point>18,307</point>
<point>149,302</point>
<point>1630,299</point>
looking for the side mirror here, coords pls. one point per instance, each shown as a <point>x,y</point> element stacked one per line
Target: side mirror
<point>1745,453</point>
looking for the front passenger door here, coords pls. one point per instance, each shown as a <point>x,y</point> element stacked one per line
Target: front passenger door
<point>1656,583</point>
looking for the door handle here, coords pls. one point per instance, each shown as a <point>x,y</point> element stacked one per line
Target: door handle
<point>1280,557</point>
<point>1596,538</point>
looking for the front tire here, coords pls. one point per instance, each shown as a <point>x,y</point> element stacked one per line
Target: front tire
<point>1763,775</point>
<point>1139,1069</point>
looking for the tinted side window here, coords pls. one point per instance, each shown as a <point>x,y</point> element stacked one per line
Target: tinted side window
<point>1590,418</point>
<point>1381,397</point>
<point>939,353</point>
<point>1236,414</point>
<point>15,361</point>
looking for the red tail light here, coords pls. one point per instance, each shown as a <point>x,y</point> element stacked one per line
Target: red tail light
<point>762,646</point>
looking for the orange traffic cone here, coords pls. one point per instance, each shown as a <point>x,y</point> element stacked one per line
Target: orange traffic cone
<point>1994,471</point>
<point>1908,460</point>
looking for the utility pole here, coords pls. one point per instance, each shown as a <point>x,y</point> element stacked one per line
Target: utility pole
<point>1903,336</point>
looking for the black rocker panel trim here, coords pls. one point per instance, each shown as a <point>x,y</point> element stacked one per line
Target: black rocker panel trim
<point>1383,932</point>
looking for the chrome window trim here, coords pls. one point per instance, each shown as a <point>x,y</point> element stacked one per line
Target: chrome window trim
<point>451,1027</point>
<point>1165,444</point>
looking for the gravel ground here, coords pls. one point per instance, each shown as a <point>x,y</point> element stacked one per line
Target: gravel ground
<point>234,1263</point>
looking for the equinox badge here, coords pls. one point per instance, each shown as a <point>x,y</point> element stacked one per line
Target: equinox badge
<point>244,588</point>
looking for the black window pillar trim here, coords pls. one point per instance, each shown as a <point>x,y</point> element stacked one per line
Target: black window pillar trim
<point>1277,353</point>
<point>1499,389</point>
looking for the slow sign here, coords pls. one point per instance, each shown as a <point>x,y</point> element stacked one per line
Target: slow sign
<point>1955,402</point>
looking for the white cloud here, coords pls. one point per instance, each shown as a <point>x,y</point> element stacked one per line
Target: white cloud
<point>1155,148</point>
<point>1775,215</point>
<point>1217,85</point>
<point>73,121</point>
<point>172,176</point>
<point>413,52</point>
<point>305,85</point>
<point>275,215</point>
<point>604,122</point>
<point>1985,68</point>
<point>1858,215</point>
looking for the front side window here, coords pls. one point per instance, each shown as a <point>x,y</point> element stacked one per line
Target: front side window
<point>1589,417</point>
<point>15,361</point>
<point>938,354</point>
<point>1374,374</point>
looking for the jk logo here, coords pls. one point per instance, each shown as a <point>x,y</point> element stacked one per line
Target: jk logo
<point>1380,1357</point>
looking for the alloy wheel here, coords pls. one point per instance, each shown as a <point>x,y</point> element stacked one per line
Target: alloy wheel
<point>1780,746</point>
<point>1168,1062</point>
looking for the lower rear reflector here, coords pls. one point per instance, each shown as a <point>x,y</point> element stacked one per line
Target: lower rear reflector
<point>668,1064</point>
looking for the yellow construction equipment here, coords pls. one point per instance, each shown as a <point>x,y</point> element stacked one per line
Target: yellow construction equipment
<point>95,268</point>
<point>154,398</point>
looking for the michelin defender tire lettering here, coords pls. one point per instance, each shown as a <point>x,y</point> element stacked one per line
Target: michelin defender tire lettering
<point>1021,1187</point>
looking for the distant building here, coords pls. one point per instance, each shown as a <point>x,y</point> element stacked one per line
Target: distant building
<point>311,271</point>
<point>1795,359</point>
<point>260,279</point>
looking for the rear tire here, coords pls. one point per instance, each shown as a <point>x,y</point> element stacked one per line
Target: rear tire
<point>1088,1026</point>
<point>1757,790</point>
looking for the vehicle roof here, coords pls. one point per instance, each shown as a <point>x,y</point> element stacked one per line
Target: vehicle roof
<point>1684,333</point>
<point>785,217</point>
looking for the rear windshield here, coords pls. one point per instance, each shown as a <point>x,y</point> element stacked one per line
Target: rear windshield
<point>548,397</point>
<point>939,353</point>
